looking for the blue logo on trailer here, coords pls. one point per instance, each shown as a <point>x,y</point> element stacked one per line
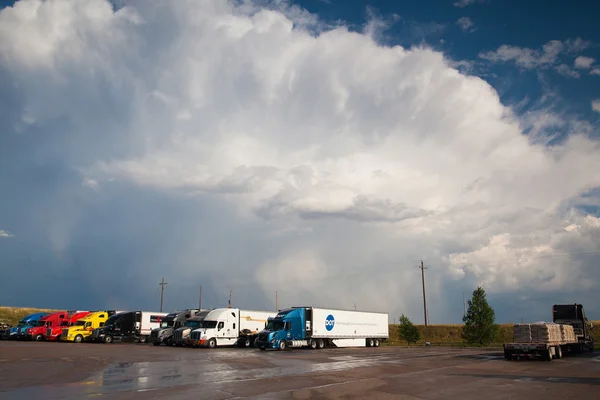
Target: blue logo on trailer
<point>329,322</point>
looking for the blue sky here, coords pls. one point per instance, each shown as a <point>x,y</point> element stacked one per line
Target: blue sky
<point>214,145</point>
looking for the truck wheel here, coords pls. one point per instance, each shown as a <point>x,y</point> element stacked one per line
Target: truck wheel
<point>142,339</point>
<point>212,343</point>
<point>263,348</point>
<point>313,344</point>
<point>547,355</point>
<point>247,343</point>
<point>78,339</point>
<point>370,343</point>
<point>558,352</point>
<point>39,338</point>
<point>376,342</point>
<point>282,345</point>
<point>108,339</point>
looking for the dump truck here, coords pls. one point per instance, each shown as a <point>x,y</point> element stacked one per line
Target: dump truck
<point>569,332</point>
<point>164,333</point>
<point>318,328</point>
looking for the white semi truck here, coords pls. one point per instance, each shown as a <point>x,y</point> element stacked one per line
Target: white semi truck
<point>230,326</point>
<point>318,328</point>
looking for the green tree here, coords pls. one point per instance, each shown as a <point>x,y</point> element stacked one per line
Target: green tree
<point>407,331</point>
<point>480,327</point>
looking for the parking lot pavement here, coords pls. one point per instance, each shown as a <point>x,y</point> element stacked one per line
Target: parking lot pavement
<point>131,371</point>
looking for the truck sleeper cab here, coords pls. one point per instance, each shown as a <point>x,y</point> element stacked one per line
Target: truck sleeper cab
<point>164,333</point>
<point>318,328</point>
<point>19,331</point>
<point>81,330</point>
<point>229,326</point>
<point>37,331</point>
<point>130,326</point>
<point>181,336</point>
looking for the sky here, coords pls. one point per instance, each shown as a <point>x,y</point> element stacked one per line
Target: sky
<point>317,149</point>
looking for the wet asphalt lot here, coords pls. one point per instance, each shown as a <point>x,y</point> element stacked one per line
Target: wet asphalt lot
<point>142,371</point>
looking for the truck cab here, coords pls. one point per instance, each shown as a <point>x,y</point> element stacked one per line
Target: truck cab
<point>220,327</point>
<point>37,331</point>
<point>18,332</point>
<point>287,325</point>
<point>574,315</point>
<point>53,333</point>
<point>82,328</point>
<point>164,333</point>
<point>130,326</point>
<point>181,336</point>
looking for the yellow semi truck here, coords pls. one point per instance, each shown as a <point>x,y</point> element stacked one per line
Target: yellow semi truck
<point>82,329</point>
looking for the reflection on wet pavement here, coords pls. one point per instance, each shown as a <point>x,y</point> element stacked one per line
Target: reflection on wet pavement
<point>146,376</point>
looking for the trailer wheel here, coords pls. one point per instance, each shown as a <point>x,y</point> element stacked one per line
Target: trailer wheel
<point>547,355</point>
<point>507,355</point>
<point>108,339</point>
<point>78,339</point>
<point>320,344</point>
<point>313,344</point>
<point>376,342</point>
<point>370,343</point>
<point>212,343</point>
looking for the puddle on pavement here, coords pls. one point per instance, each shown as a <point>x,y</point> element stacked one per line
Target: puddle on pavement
<point>146,376</point>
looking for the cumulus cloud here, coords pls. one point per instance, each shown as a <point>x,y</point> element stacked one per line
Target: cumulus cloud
<point>596,105</point>
<point>528,58</point>
<point>595,71</point>
<point>346,155</point>
<point>582,62</point>
<point>5,234</point>
<point>466,24</point>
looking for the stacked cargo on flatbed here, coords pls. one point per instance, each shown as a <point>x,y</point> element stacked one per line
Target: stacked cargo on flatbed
<point>569,331</point>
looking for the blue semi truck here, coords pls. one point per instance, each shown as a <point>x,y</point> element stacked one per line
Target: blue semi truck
<point>318,328</point>
<point>28,321</point>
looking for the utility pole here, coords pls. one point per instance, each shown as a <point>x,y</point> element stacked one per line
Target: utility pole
<point>200,304</point>
<point>276,306</point>
<point>162,292</point>
<point>464,305</point>
<point>423,268</point>
<point>229,298</point>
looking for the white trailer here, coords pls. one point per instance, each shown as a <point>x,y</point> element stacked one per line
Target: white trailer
<point>324,327</point>
<point>225,326</point>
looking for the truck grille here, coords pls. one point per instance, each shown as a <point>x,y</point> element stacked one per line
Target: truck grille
<point>178,335</point>
<point>65,333</point>
<point>154,334</point>
<point>263,338</point>
<point>95,334</point>
<point>195,335</point>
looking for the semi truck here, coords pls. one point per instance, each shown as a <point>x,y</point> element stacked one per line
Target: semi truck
<point>230,326</point>
<point>28,321</point>
<point>129,326</point>
<point>37,331</point>
<point>318,328</point>
<point>562,314</point>
<point>181,336</point>
<point>175,320</point>
<point>82,329</point>
<point>54,332</point>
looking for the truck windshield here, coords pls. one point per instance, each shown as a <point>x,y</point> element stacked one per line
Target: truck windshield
<point>112,320</point>
<point>166,324</point>
<point>38,323</point>
<point>209,324</point>
<point>21,324</point>
<point>194,324</point>
<point>275,325</point>
<point>79,323</point>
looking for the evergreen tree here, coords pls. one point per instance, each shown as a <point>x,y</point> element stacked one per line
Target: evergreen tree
<point>480,327</point>
<point>408,332</point>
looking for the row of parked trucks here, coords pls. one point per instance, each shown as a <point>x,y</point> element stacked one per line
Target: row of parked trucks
<point>295,327</point>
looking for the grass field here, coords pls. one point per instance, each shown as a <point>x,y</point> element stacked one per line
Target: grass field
<point>437,335</point>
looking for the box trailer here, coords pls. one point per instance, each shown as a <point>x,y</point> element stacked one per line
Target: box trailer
<point>230,326</point>
<point>130,326</point>
<point>318,328</point>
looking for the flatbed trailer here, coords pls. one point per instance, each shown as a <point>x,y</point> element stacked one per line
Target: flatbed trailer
<point>546,351</point>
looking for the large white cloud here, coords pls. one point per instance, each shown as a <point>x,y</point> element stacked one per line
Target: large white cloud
<point>360,159</point>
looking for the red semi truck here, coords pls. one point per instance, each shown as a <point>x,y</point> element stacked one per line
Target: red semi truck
<point>53,332</point>
<point>40,328</point>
